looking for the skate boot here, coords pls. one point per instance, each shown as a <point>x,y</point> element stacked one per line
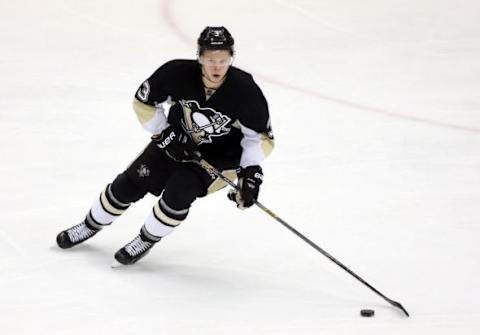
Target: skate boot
<point>75,235</point>
<point>135,249</point>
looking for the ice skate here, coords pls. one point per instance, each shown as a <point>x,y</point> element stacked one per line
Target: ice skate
<point>75,235</point>
<point>134,250</point>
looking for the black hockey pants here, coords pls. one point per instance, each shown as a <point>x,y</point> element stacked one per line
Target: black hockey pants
<point>154,172</point>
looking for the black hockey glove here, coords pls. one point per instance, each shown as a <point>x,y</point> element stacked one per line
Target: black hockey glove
<point>177,145</point>
<point>249,181</point>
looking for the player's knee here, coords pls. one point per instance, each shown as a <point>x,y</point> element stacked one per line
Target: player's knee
<point>178,199</point>
<point>125,190</point>
<point>182,189</point>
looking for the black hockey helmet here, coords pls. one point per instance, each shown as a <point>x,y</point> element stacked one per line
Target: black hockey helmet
<point>215,38</point>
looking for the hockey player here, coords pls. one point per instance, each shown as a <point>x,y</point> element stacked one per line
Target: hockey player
<point>195,109</point>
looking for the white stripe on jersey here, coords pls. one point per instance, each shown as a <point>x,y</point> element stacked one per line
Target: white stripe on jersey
<point>153,119</point>
<point>255,148</point>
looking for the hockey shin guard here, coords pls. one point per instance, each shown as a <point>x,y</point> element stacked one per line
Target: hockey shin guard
<point>163,220</point>
<point>105,209</point>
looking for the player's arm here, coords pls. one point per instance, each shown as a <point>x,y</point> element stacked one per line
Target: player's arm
<point>151,114</point>
<point>254,120</point>
<point>256,146</point>
<point>257,143</point>
<point>152,99</point>
<point>154,119</point>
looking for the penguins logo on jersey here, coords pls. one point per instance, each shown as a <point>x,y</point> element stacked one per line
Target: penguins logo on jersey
<point>203,123</point>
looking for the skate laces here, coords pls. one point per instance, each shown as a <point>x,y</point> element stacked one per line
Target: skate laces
<point>80,232</point>
<point>137,246</point>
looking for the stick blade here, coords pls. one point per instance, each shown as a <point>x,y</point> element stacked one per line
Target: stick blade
<point>399,305</point>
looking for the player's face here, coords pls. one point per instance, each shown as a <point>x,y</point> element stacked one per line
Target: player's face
<point>215,64</point>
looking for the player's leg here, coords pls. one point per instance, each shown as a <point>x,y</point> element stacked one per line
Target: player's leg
<point>150,169</point>
<point>113,201</point>
<point>181,190</point>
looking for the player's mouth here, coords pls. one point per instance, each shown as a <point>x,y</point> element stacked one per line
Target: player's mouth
<point>216,77</point>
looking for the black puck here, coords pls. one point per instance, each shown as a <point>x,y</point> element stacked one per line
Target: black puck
<point>367,312</point>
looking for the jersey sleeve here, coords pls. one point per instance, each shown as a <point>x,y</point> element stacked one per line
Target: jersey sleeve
<point>258,141</point>
<point>152,99</point>
<point>152,118</point>
<point>156,88</point>
<point>255,146</point>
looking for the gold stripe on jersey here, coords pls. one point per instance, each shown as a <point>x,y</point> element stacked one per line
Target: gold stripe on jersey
<point>237,124</point>
<point>163,218</point>
<point>218,184</point>
<point>267,144</point>
<point>144,112</point>
<point>108,207</point>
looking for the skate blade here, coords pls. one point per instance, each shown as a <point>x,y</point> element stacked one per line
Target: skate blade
<point>117,265</point>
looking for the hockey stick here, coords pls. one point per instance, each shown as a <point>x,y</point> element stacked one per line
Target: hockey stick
<point>209,168</point>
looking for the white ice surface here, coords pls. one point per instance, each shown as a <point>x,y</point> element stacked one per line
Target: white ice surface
<point>376,110</point>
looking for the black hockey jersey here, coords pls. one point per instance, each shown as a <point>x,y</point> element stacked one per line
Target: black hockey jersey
<point>231,127</point>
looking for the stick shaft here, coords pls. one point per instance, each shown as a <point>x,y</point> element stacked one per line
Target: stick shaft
<point>213,170</point>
